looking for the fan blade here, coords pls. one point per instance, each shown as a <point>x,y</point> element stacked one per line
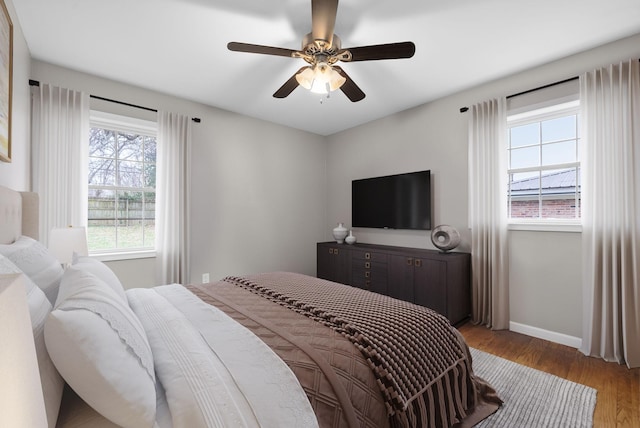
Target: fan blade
<point>259,49</point>
<point>350,89</point>
<point>288,86</point>
<point>323,19</point>
<point>387,51</point>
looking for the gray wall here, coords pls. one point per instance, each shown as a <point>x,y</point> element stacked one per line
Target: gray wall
<point>259,189</point>
<point>16,174</point>
<point>265,194</point>
<point>545,268</point>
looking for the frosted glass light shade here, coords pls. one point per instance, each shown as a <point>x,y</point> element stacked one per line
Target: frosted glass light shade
<point>21,399</point>
<point>64,241</point>
<point>320,79</point>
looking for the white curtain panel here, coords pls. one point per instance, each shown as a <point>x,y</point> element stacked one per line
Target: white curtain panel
<point>173,194</point>
<point>488,213</point>
<point>610,100</point>
<point>59,159</point>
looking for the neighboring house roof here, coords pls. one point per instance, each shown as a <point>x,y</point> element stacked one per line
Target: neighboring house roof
<point>556,183</point>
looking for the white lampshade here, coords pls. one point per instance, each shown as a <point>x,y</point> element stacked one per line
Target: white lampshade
<point>21,399</point>
<point>320,79</point>
<point>64,241</point>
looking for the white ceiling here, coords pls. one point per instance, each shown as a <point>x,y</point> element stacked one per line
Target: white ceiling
<point>178,47</point>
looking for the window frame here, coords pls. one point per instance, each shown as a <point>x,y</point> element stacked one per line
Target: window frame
<point>128,124</point>
<point>557,110</point>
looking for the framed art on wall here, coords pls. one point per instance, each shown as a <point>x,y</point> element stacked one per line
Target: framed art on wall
<point>6,82</point>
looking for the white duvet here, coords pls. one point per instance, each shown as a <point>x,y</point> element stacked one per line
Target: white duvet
<point>213,371</point>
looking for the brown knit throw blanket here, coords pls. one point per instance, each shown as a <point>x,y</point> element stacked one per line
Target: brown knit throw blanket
<point>409,347</point>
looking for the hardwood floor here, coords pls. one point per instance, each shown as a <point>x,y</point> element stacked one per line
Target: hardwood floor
<point>618,398</point>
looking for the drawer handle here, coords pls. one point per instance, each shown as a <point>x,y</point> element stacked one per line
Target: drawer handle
<point>367,265</point>
<point>409,262</point>
<point>367,274</point>
<point>367,283</point>
<point>335,251</point>
<point>418,263</point>
<point>330,250</point>
<point>367,256</point>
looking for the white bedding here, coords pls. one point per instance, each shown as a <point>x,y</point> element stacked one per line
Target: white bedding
<point>209,370</point>
<point>214,371</point>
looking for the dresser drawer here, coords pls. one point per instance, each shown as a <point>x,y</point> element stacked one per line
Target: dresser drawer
<point>368,256</point>
<point>358,265</point>
<point>370,273</point>
<point>376,282</point>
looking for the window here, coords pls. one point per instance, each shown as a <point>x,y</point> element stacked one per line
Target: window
<point>122,177</point>
<point>544,165</point>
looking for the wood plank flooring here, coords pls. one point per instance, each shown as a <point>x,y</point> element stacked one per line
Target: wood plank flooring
<point>618,399</point>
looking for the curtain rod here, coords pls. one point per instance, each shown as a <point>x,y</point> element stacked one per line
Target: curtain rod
<point>195,119</point>
<point>464,109</point>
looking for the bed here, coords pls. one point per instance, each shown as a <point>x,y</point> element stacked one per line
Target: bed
<point>274,349</point>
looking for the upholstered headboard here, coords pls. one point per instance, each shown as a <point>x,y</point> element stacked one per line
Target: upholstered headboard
<point>18,215</point>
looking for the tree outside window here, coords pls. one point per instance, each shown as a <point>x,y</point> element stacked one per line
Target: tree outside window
<point>122,178</point>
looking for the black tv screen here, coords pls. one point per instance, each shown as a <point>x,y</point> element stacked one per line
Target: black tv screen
<point>401,201</point>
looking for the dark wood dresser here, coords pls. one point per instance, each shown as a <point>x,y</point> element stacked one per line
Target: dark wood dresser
<point>440,281</point>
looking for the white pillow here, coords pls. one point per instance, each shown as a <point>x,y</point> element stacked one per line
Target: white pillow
<point>100,348</point>
<point>102,271</point>
<point>37,263</point>
<point>39,308</point>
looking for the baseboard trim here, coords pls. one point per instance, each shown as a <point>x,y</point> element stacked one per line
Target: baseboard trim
<point>551,336</point>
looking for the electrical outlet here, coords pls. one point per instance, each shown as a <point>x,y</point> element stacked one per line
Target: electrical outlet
<point>205,278</point>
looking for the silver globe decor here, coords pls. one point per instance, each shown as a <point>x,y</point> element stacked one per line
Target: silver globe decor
<point>445,237</point>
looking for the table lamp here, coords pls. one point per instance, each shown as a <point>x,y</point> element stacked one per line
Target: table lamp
<point>64,241</point>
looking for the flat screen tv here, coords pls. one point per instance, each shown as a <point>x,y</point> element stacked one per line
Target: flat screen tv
<point>401,201</point>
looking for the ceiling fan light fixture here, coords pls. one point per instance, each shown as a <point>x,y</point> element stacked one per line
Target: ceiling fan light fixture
<point>305,77</point>
<point>320,79</point>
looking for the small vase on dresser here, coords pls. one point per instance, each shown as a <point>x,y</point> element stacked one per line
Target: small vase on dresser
<point>339,233</point>
<point>350,239</point>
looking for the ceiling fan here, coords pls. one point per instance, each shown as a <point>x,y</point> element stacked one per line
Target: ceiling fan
<point>322,49</point>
